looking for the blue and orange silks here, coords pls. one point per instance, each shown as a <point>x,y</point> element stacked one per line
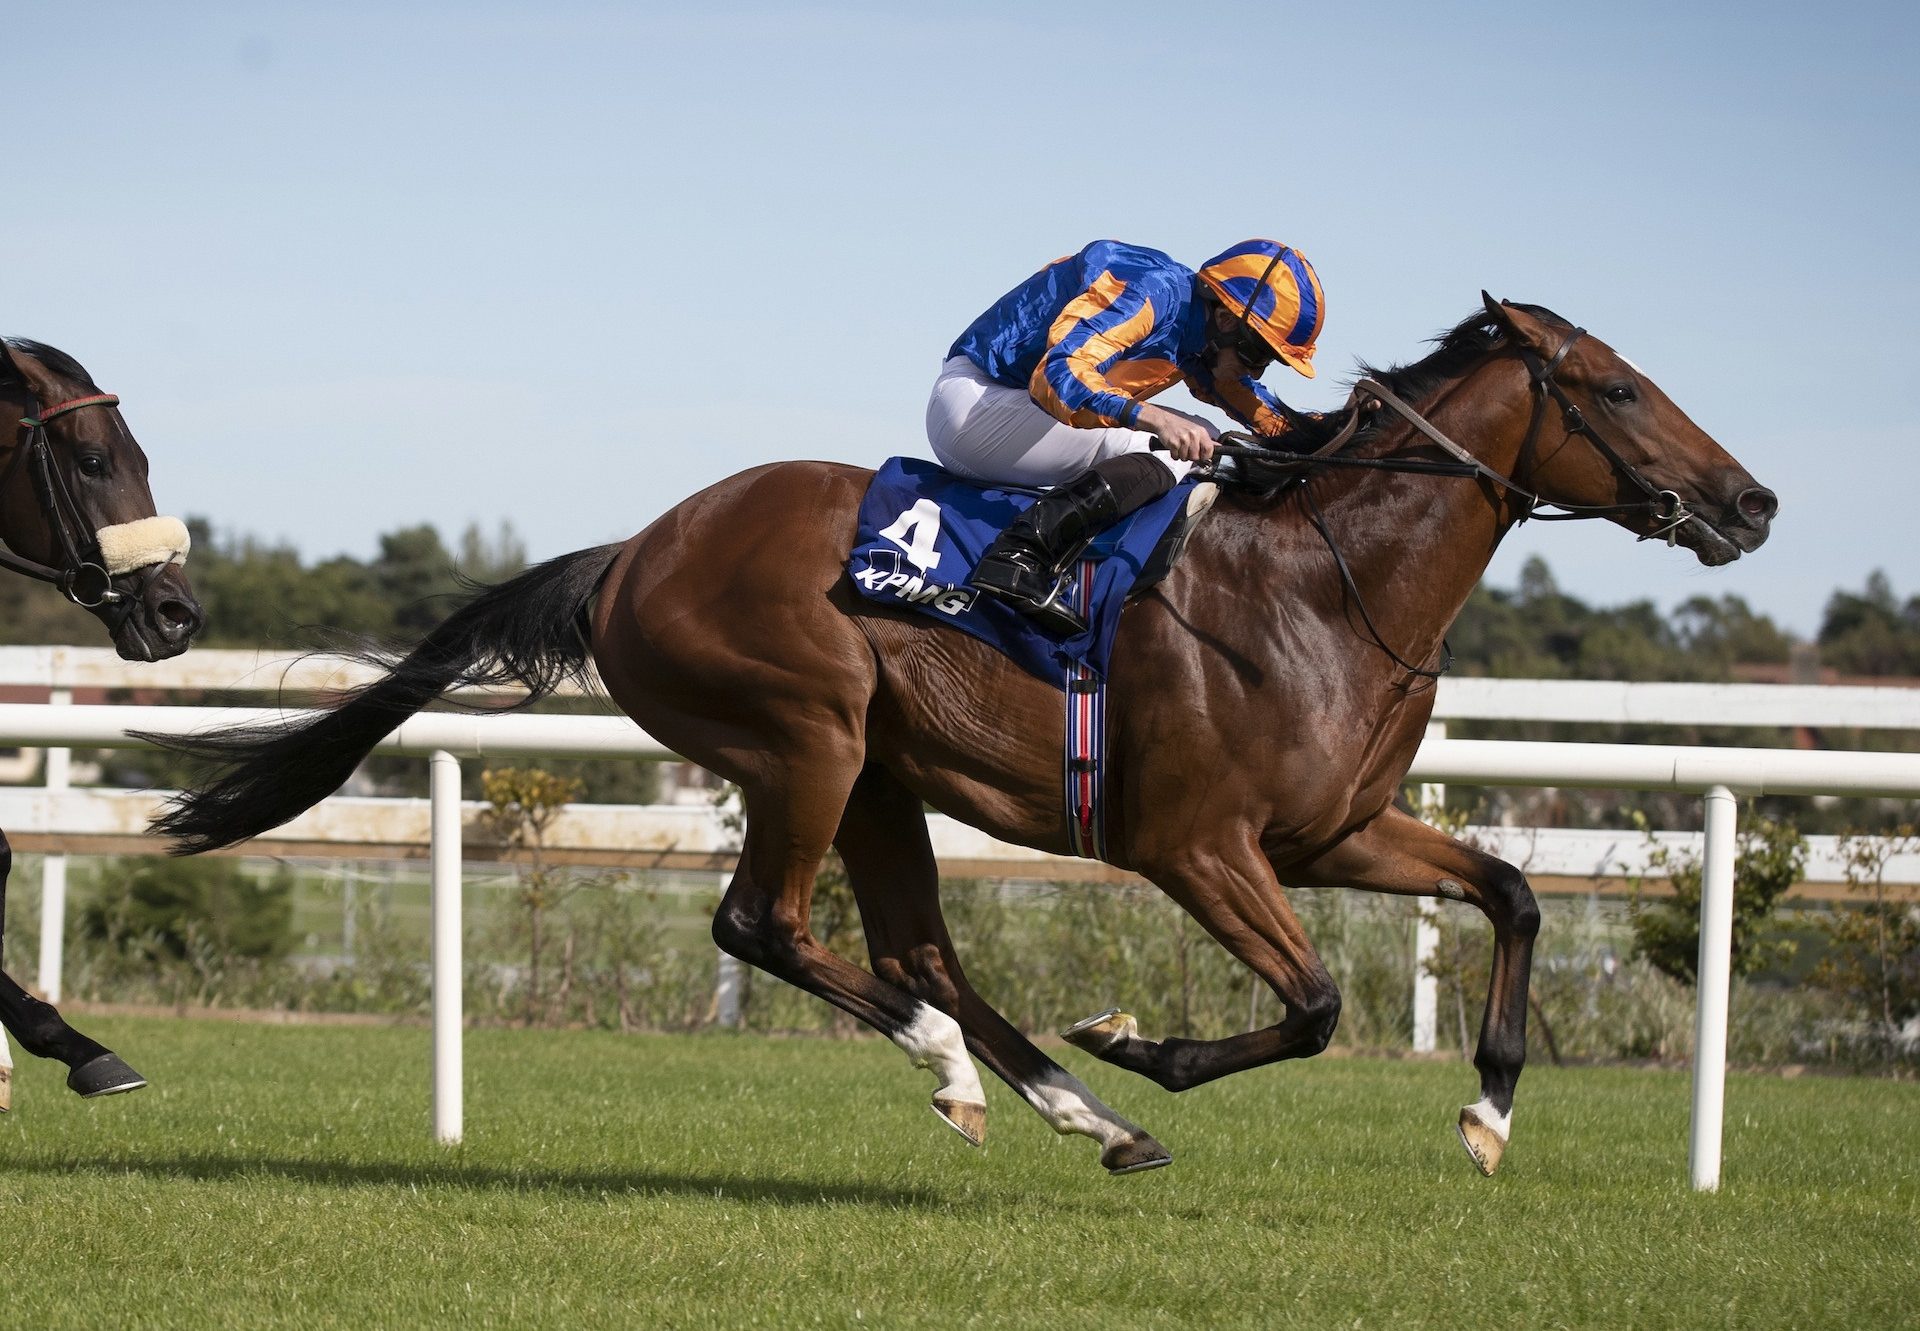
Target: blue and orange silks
<point>1095,334</point>
<point>1276,290</point>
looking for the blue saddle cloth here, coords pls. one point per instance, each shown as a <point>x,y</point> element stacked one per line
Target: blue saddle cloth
<point>922,530</point>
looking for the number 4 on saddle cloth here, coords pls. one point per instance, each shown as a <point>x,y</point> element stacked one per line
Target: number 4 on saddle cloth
<point>921,531</point>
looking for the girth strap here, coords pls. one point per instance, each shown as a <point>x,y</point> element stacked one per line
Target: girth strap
<point>1084,768</point>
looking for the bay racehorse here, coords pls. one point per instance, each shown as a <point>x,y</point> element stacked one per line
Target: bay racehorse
<point>1266,700</point>
<point>75,511</point>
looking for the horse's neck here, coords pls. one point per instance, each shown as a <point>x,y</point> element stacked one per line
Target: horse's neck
<point>1416,545</point>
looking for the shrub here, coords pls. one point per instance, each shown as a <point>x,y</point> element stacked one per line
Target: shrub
<point>1768,862</point>
<point>177,906</point>
<point>1873,958</point>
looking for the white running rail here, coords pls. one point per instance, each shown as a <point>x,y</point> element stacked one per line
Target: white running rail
<point>1458,697</point>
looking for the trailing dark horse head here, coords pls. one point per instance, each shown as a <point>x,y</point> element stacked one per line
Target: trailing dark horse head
<point>1265,702</point>
<point>75,511</point>
<point>74,501</point>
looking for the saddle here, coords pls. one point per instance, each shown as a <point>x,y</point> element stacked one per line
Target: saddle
<point>922,529</point>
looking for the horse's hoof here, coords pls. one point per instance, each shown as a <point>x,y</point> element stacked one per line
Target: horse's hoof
<point>1483,1139</point>
<point>1102,1031</point>
<point>1132,1154</point>
<point>104,1075</point>
<point>970,1121</point>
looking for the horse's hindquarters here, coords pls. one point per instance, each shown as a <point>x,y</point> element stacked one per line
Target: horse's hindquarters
<point>717,630</point>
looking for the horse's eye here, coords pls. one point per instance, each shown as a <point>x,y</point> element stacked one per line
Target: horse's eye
<point>1620,394</point>
<point>92,464</point>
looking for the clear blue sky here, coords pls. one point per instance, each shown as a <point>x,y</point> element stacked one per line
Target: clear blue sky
<point>355,266</point>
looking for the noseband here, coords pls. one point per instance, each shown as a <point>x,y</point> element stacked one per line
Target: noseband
<point>84,577</point>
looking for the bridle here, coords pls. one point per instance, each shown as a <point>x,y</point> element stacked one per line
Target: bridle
<point>1667,510</point>
<point>83,577</point>
<point>1665,507</point>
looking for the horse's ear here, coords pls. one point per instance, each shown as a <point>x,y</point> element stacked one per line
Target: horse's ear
<point>1525,327</point>
<point>1501,315</point>
<point>1517,323</point>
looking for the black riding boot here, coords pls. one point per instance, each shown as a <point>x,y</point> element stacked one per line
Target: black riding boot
<point>1026,565</point>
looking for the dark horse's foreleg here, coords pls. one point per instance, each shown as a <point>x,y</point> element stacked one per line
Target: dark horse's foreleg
<point>883,841</point>
<point>1398,853</point>
<point>1234,895</point>
<point>93,1069</point>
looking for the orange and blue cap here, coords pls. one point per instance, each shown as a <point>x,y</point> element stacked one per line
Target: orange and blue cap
<point>1275,292</point>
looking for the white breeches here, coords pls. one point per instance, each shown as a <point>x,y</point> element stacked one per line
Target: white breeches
<point>997,435</point>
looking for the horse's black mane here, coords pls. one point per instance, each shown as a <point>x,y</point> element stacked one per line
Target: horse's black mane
<point>56,360</point>
<point>1455,352</point>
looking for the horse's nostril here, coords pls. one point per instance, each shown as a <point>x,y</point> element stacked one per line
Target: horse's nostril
<point>1757,505</point>
<point>177,619</point>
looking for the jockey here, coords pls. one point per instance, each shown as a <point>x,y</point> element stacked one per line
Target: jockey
<point>1049,388</point>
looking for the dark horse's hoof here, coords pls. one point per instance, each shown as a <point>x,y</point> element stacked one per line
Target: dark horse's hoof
<point>1133,1154</point>
<point>103,1075</point>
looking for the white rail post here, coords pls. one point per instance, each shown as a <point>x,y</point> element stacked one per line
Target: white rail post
<point>444,791</point>
<point>729,979</point>
<point>1426,934</point>
<point>1714,975</point>
<point>53,875</point>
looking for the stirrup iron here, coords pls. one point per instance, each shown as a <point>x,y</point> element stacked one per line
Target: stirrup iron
<point>1055,613</point>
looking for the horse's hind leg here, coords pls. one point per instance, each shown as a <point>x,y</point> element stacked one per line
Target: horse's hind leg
<point>92,1068</point>
<point>883,841</point>
<point>1398,853</point>
<point>763,919</point>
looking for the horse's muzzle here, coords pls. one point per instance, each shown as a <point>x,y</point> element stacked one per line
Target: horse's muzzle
<point>1747,519</point>
<point>161,620</point>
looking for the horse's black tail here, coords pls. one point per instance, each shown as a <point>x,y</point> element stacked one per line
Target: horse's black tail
<point>529,631</point>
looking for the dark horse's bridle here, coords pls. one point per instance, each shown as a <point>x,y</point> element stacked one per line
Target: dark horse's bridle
<point>1269,468</point>
<point>83,577</point>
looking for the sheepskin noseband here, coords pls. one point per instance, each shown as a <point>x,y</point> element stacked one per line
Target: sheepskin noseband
<point>127,546</point>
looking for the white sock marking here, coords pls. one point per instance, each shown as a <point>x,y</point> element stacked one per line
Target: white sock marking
<point>1502,1124</point>
<point>932,1040</point>
<point>1065,1103</point>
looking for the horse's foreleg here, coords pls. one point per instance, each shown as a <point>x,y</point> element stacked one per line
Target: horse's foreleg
<point>1236,898</point>
<point>92,1068</point>
<point>1398,853</point>
<point>883,842</point>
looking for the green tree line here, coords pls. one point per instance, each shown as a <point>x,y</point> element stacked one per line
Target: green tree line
<point>261,593</point>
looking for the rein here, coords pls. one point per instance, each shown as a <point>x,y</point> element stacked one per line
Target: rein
<point>84,581</point>
<point>1665,507</point>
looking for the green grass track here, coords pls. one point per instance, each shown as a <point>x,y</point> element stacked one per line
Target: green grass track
<point>282,1176</point>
